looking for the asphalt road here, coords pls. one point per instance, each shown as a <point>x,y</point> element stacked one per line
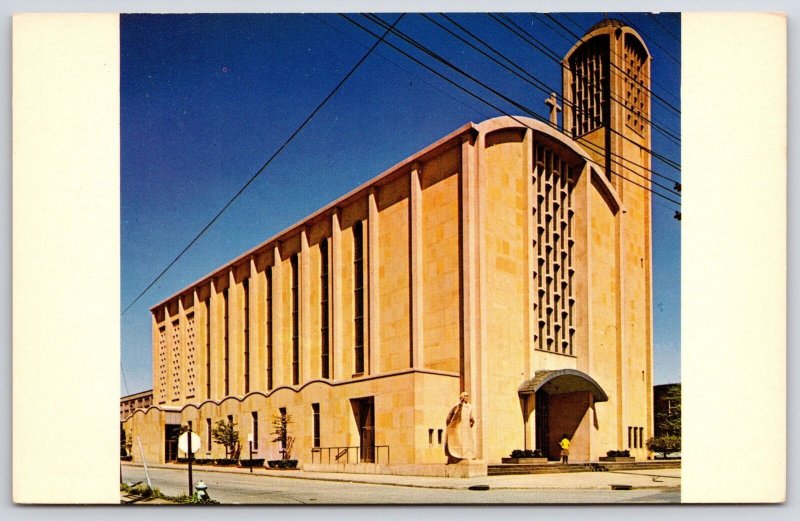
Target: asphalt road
<point>246,489</point>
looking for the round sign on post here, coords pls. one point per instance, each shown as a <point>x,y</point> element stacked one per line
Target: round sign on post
<point>183,442</point>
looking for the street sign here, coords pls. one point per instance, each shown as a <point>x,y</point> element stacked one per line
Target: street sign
<point>183,442</point>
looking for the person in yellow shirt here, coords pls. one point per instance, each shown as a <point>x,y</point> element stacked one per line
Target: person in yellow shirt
<point>564,449</point>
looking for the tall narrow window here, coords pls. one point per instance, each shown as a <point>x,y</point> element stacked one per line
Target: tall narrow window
<point>324,310</point>
<point>283,440</point>
<point>641,437</point>
<point>225,340</point>
<point>315,415</point>
<point>208,434</point>
<point>295,323</point>
<point>269,328</point>
<point>635,438</point>
<point>358,295</point>
<point>630,437</point>
<point>208,348</point>
<point>246,297</point>
<point>255,430</point>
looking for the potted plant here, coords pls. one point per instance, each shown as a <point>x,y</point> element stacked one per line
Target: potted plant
<point>280,433</point>
<point>618,456</point>
<point>525,457</point>
<point>225,434</point>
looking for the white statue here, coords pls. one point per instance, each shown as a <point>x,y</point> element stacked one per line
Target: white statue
<point>459,441</point>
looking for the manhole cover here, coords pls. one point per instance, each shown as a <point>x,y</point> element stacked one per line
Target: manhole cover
<point>621,487</point>
<point>479,487</point>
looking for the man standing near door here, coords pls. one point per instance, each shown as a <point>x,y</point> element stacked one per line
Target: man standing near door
<point>564,449</point>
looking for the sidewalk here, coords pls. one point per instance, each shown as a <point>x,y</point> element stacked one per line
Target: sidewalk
<point>638,479</point>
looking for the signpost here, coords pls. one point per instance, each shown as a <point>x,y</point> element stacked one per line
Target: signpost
<point>250,442</point>
<point>189,443</point>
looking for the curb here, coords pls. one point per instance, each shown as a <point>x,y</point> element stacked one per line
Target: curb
<point>465,486</point>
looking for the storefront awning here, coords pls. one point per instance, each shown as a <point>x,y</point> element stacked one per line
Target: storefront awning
<point>561,381</point>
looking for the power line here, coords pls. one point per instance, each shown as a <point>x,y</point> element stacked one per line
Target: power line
<point>664,102</point>
<point>437,57</point>
<point>533,81</point>
<point>124,379</point>
<point>652,80</point>
<point>655,42</point>
<point>412,73</point>
<point>267,163</point>
<point>655,18</point>
<point>531,40</point>
<point>664,159</point>
<point>663,129</point>
<point>469,92</point>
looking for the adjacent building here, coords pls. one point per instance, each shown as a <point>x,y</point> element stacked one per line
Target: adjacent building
<point>508,259</point>
<point>128,404</point>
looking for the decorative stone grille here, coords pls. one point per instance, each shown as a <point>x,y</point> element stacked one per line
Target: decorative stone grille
<point>553,300</point>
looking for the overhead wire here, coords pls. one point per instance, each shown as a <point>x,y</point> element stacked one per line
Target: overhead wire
<point>655,19</point>
<point>267,163</point>
<point>437,57</point>
<point>662,158</point>
<point>663,129</point>
<point>540,86</point>
<point>653,40</point>
<point>568,17</point>
<point>377,20</point>
<point>658,156</point>
<point>664,102</point>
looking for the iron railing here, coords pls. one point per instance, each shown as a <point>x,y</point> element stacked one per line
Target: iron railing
<point>354,454</point>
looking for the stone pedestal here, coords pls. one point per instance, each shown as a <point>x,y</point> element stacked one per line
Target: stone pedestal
<point>466,469</point>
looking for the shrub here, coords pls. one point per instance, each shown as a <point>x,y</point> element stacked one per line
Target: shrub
<point>246,463</point>
<point>664,444</point>
<point>193,500</point>
<point>518,453</point>
<point>618,454</point>
<point>197,461</point>
<point>282,463</point>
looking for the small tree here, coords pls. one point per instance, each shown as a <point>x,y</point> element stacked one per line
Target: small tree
<point>669,423</point>
<point>664,444</point>
<point>280,432</point>
<point>225,434</point>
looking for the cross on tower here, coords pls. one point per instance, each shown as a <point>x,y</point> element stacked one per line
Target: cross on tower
<point>554,108</point>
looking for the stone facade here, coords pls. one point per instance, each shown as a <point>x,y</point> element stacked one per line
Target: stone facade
<point>506,260</point>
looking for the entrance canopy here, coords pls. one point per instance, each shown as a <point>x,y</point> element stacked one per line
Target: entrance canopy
<point>563,381</point>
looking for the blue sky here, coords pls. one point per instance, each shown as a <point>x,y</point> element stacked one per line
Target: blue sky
<point>206,99</point>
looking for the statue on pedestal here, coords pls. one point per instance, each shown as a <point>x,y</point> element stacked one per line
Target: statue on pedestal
<point>459,442</point>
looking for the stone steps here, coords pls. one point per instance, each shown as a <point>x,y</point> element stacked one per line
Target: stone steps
<point>557,468</point>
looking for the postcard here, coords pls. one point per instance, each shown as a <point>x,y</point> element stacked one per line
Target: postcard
<point>399,258</point>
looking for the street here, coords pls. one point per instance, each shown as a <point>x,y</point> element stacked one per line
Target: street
<point>248,489</point>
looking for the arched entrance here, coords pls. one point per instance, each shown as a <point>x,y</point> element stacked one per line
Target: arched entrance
<point>560,401</point>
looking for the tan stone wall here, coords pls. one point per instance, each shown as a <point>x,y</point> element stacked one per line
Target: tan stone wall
<point>399,423</point>
<point>394,274</point>
<point>611,343</point>
<point>440,255</point>
<point>506,291</point>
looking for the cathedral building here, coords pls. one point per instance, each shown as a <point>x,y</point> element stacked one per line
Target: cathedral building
<point>509,260</point>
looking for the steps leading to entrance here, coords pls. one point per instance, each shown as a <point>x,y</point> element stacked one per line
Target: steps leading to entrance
<point>557,468</point>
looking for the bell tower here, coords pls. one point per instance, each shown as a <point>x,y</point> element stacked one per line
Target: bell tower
<point>606,86</point>
<point>606,82</point>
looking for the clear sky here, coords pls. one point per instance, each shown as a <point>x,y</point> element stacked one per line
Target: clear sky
<point>207,99</point>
